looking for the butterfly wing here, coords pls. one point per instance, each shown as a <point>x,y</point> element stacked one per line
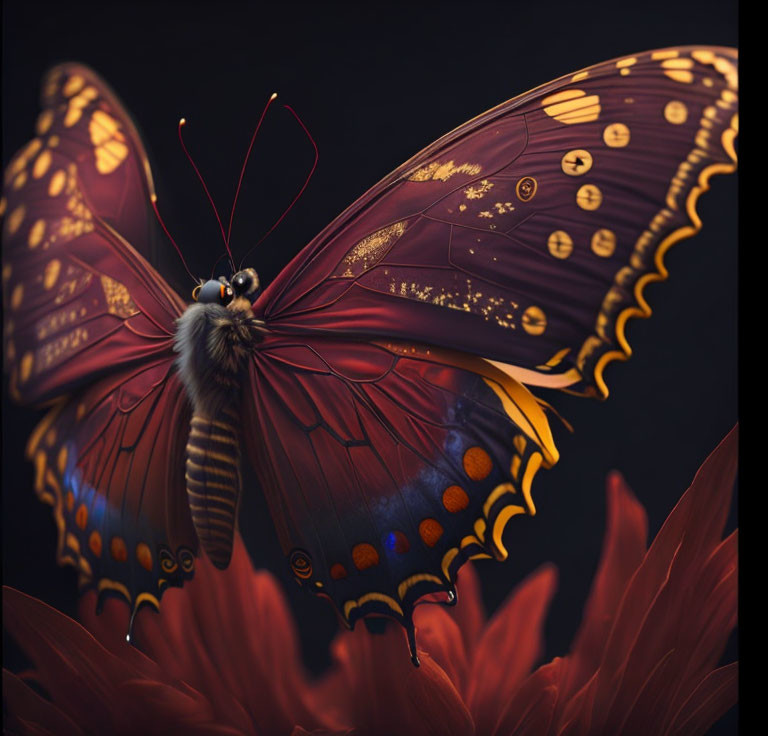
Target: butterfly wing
<point>387,465</point>
<point>89,325</point>
<point>527,235</point>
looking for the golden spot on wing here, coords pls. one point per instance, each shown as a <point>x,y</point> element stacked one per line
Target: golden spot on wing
<point>372,248</point>
<point>430,531</point>
<point>705,56</point>
<point>41,165</point>
<point>364,555</point>
<point>94,543</point>
<point>604,243</point>
<point>589,197</point>
<point>53,141</point>
<point>707,82</point>
<point>76,105</point>
<point>560,244</point>
<point>624,72</point>
<point>61,460</point>
<point>621,63</point>
<point>576,162</point>
<point>442,172</point>
<point>3,205</point>
<point>20,180</point>
<point>572,106</point>
<point>144,556</point>
<point>526,188</point>
<point>25,367</point>
<point>477,463</point>
<point>534,321</point>
<point>678,64</point>
<point>56,185</point>
<point>73,85</point>
<point>44,122</point>
<point>478,192</point>
<point>118,549</point>
<point>669,54</point>
<point>36,233</point>
<point>680,75</point>
<point>51,273</point>
<point>616,135</point>
<point>50,437</point>
<point>15,219</point>
<point>455,499</point>
<point>579,76</point>
<point>17,295</point>
<point>110,156</point>
<point>675,112</point>
<point>729,95</point>
<point>7,270</point>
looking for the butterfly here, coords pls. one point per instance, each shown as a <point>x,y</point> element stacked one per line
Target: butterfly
<point>381,385</point>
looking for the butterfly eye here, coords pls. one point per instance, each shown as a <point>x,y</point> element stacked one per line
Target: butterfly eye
<point>215,292</point>
<point>245,282</point>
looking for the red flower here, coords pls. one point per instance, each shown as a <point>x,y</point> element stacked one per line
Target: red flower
<point>222,657</point>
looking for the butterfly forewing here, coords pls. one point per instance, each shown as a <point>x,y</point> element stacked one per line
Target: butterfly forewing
<point>527,235</point>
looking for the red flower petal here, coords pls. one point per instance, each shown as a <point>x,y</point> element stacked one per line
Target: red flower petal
<point>715,694</point>
<point>382,693</point>
<point>469,612</point>
<point>680,603</point>
<point>624,546</point>
<point>28,712</point>
<point>438,634</point>
<point>509,647</point>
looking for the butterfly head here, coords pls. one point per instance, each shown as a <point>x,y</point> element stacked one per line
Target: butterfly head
<point>244,284</point>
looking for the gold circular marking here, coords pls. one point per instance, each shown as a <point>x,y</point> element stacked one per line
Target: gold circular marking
<point>94,542</point>
<point>118,549</point>
<point>144,556</point>
<point>430,531</point>
<point>526,188</point>
<point>534,320</point>
<point>364,555</point>
<point>36,233</point>
<point>624,72</point>
<point>616,135</point>
<point>51,273</point>
<point>20,180</point>
<point>301,564</point>
<point>589,197</point>
<point>44,122</point>
<point>61,460</point>
<point>576,162</point>
<point>455,499</point>
<point>58,180</point>
<point>53,141</point>
<point>675,112</point>
<point>560,244</point>
<point>25,369</point>
<point>81,516</point>
<point>42,163</point>
<point>17,295</point>
<point>604,243</point>
<point>15,219</point>
<point>74,84</point>
<point>477,463</point>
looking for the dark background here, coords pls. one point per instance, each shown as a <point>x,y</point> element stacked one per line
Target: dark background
<point>374,84</point>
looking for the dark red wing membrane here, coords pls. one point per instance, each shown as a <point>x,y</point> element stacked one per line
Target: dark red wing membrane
<point>528,235</point>
<point>110,461</point>
<point>79,300</point>
<point>89,325</point>
<point>386,466</point>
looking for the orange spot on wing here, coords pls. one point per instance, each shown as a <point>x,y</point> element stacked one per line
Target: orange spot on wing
<point>477,463</point>
<point>143,555</point>
<point>364,556</point>
<point>118,550</point>
<point>430,531</point>
<point>70,501</point>
<point>338,571</point>
<point>94,542</point>
<point>81,517</point>
<point>455,499</point>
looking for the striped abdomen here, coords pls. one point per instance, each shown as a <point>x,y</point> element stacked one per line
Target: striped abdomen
<point>213,482</point>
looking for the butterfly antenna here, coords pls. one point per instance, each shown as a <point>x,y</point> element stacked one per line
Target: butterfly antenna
<point>301,191</point>
<point>182,123</point>
<point>153,199</point>
<point>242,171</point>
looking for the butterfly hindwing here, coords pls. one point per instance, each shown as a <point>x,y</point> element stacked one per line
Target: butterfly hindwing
<point>528,235</point>
<point>386,466</point>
